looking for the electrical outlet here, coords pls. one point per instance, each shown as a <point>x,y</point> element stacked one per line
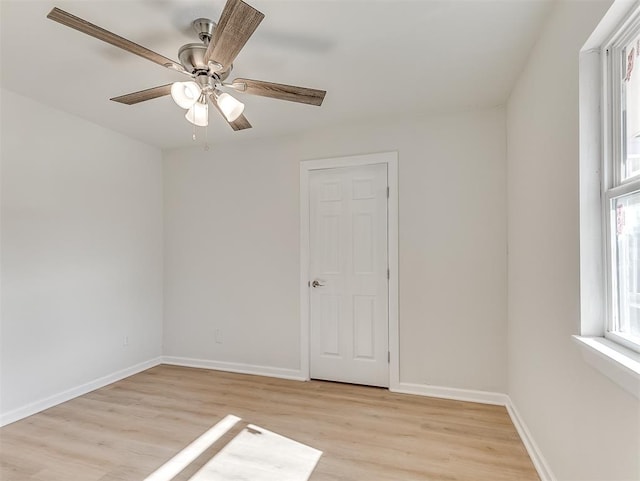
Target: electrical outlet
<point>217,336</point>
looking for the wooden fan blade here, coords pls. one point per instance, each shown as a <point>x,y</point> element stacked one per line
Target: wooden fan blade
<point>100,33</point>
<point>237,23</point>
<point>142,95</point>
<point>240,123</point>
<point>279,91</point>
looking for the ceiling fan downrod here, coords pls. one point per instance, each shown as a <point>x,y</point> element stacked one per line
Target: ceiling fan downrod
<point>204,27</point>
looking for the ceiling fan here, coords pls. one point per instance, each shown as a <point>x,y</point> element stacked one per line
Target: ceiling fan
<point>208,64</point>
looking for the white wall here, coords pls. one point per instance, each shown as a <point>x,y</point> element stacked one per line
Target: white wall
<point>232,246</point>
<point>81,252</point>
<point>586,427</point>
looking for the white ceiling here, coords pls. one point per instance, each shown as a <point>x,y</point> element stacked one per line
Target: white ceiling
<point>375,59</point>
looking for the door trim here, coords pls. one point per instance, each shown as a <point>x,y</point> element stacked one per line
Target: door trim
<point>306,167</point>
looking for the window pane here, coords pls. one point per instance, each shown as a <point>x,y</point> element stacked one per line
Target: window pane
<point>631,109</point>
<point>626,263</point>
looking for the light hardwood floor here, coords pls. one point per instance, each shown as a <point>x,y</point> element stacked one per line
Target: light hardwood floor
<point>126,430</point>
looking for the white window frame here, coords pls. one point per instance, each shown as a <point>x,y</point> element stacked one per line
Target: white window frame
<point>613,360</point>
<point>612,184</point>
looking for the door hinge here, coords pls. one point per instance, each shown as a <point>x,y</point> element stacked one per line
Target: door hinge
<point>389,357</point>
<point>388,273</point>
<point>388,189</point>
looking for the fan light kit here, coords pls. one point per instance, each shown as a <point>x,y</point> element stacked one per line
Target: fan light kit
<point>191,97</point>
<point>208,64</point>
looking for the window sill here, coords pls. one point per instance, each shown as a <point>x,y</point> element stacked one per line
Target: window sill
<point>619,364</point>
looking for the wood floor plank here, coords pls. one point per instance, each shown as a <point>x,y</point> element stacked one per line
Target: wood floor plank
<point>125,431</point>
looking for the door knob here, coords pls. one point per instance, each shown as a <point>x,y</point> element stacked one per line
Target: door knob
<point>317,283</point>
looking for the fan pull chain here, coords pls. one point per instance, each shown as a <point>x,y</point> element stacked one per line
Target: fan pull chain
<point>193,137</point>
<point>206,137</point>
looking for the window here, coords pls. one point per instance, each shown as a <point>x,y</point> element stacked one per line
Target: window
<point>621,184</point>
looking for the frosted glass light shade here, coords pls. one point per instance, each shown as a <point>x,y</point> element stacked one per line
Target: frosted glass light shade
<point>198,114</point>
<point>185,94</point>
<point>231,108</point>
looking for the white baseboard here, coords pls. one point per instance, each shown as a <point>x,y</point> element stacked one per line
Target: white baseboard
<point>37,406</point>
<point>484,397</point>
<point>237,367</point>
<point>541,465</point>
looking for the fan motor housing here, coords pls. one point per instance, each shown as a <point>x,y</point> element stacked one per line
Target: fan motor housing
<point>191,57</point>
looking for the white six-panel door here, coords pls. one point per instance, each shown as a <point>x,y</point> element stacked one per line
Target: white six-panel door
<point>348,266</point>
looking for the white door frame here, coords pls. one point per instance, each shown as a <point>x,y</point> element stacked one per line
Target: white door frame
<point>306,167</point>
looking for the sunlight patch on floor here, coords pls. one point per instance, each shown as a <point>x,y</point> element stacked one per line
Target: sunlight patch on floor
<point>180,461</point>
<point>257,454</point>
<point>254,454</point>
